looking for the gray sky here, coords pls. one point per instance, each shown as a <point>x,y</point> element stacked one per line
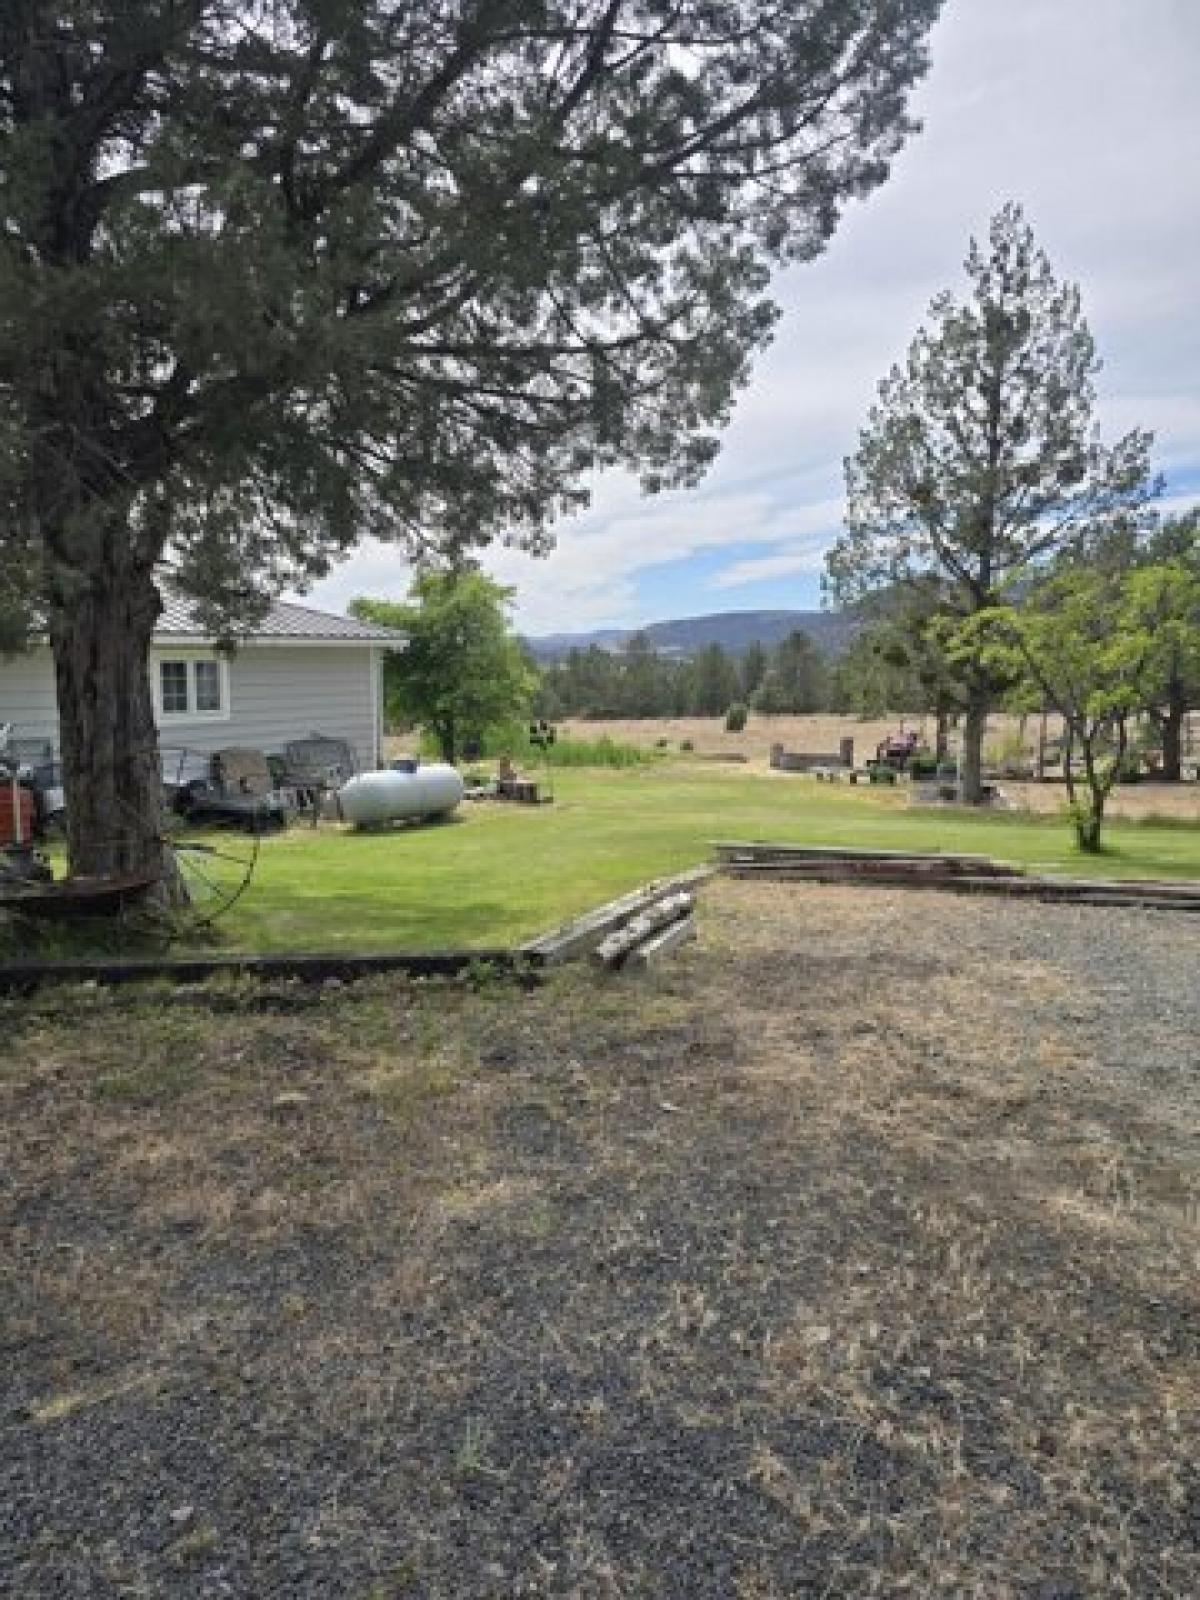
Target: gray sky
<point>1085,111</point>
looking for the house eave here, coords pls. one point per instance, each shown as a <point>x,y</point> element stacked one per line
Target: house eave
<point>199,641</point>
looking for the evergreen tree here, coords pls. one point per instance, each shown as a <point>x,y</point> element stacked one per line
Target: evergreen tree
<point>714,682</point>
<point>752,668</point>
<point>643,678</point>
<point>872,677</point>
<point>979,461</point>
<point>795,679</point>
<point>275,277</point>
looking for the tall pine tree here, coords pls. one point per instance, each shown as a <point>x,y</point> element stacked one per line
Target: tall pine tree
<point>979,461</point>
<point>276,274</point>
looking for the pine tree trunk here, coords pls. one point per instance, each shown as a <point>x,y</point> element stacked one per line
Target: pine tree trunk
<point>974,729</point>
<point>111,771</point>
<point>942,734</point>
<point>1171,728</point>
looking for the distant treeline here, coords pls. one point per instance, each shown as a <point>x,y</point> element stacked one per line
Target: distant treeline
<point>636,681</point>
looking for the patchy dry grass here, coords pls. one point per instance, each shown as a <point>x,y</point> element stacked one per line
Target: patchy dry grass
<point>822,732</point>
<point>855,1254</point>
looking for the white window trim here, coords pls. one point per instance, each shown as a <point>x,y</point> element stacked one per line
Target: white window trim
<point>176,719</point>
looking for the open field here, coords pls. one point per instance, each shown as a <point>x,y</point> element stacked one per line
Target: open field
<point>816,733</point>
<point>503,873</point>
<point>854,1254</point>
<point>821,735</point>
<point>1133,801</point>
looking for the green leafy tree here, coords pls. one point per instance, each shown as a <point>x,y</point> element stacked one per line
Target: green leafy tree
<point>277,276</point>
<point>979,462</point>
<point>463,672</point>
<point>1175,615</point>
<point>1089,644</point>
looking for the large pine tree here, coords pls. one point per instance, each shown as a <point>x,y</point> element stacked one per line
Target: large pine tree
<point>979,461</point>
<point>276,274</point>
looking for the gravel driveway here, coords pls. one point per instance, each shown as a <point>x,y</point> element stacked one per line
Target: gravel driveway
<point>855,1253</point>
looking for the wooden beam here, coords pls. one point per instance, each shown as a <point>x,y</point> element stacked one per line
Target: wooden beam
<point>662,943</point>
<point>611,951</point>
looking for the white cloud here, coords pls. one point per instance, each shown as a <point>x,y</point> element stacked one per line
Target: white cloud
<point>1084,110</point>
<point>590,579</point>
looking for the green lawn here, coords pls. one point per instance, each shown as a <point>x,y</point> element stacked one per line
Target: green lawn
<point>500,873</point>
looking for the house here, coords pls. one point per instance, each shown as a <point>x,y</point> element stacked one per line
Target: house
<point>301,672</point>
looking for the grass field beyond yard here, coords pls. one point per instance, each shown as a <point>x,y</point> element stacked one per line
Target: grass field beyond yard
<point>500,873</point>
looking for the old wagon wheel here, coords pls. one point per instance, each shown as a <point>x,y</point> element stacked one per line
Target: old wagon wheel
<point>206,869</point>
<point>211,873</point>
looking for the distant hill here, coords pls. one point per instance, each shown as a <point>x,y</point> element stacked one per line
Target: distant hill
<point>830,631</point>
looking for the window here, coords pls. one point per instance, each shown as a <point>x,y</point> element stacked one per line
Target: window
<point>173,676</point>
<point>207,677</point>
<point>190,687</point>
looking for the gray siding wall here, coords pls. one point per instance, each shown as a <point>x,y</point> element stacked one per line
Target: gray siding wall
<point>276,693</point>
<point>27,697</point>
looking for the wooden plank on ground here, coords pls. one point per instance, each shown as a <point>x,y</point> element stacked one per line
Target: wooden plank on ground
<point>611,951</point>
<point>25,976</point>
<point>763,850</point>
<point>898,867</point>
<point>662,943</point>
<point>582,934</point>
<point>1073,891</point>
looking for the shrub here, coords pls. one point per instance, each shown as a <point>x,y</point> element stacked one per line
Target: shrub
<point>1008,756</point>
<point>686,744</point>
<point>602,752</point>
<point>513,740</point>
<point>735,718</point>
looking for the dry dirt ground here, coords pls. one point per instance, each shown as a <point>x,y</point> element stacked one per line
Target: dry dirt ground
<point>856,1253</point>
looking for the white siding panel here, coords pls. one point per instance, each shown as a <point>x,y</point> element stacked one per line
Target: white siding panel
<point>281,692</point>
<point>276,693</point>
<point>27,697</point>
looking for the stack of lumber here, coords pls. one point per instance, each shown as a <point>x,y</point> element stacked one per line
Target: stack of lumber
<point>633,931</point>
<point>832,864</point>
<point>661,928</point>
<point>964,874</point>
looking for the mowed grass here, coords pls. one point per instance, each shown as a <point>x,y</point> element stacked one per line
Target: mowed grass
<point>500,873</point>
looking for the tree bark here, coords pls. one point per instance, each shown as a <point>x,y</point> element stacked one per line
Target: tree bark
<point>974,729</point>
<point>112,775</point>
<point>1170,726</point>
<point>941,738</point>
<point>1089,820</point>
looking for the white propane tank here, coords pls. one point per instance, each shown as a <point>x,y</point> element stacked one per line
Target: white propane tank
<point>374,798</point>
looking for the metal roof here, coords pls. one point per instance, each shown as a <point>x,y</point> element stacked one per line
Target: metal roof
<point>285,620</point>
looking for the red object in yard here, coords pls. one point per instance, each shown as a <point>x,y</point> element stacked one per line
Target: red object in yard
<point>25,803</point>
